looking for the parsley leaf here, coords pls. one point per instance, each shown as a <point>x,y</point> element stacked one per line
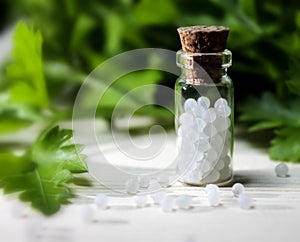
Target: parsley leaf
<point>26,70</point>
<point>42,174</point>
<point>56,146</point>
<point>23,95</point>
<point>268,112</point>
<point>286,146</point>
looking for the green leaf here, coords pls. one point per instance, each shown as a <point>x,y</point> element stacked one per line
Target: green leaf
<point>269,109</point>
<point>286,146</point>
<point>294,77</point>
<point>42,174</point>
<point>25,71</point>
<point>56,147</point>
<point>83,25</point>
<point>264,125</point>
<point>12,165</point>
<point>15,116</point>
<point>113,29</point>
<point>24,94</point>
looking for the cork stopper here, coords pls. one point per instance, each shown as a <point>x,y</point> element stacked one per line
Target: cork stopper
<point>204,39</point>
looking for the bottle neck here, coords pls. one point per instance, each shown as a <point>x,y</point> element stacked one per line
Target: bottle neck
<point>203,68</point>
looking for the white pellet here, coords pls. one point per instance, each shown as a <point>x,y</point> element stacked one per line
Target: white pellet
<point>245,201</point>
<point>183,201</point>
<point>167,204</point>
<point>163,180</point>
<point>221,102</point>
<point>237,189</point>
<point>225,173</point>
<point>282,170</point>
<point>154,186</point>
<point>211,155</point>
<point>206,166</point>
<point>195,176</point>
<point>189,104</point>
<point>223,111</point>
<point>200,124</point>
<point>198,111</point>
<point>186,119</point>
<point>221,124</point>
<point>197,156</point>
<point>202,145</point>
<point>213,198</point>
<point>217,142</point>
<point>87,214</point>
<point>210,130</point>
<point>226,160</point>
<point>211,188</point>
<point>213,176</point>
<point>18,209</point>
<point>101,201</point>
<point>132,185</point>
<point>158,196</point>
<point>141,200</point>
<point>209,115</point>
<point>144,181</point>
<point>204,102</point>
<point>220,165</point>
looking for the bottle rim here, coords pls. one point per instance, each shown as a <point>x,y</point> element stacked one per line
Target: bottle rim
<point>186,59</point>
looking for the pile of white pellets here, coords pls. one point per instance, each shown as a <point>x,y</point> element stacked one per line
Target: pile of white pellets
<point>204,141</point>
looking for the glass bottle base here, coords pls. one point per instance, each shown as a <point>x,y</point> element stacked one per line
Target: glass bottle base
<point>221,183</point>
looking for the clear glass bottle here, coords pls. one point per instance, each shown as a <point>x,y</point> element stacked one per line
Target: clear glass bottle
<point>204,118</point>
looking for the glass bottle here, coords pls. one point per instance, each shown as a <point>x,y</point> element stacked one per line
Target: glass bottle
<point>204,118</point>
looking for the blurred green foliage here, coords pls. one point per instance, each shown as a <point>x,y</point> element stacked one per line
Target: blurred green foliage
<point>264,38</point>
<point>81,34</point>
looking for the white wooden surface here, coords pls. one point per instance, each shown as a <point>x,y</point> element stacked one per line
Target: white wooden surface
<point>276,216</point>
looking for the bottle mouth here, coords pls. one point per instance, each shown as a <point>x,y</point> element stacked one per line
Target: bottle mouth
<point>188,60</point>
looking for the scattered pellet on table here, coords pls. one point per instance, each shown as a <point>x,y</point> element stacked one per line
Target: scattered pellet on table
<point>211,187</point>
<point>163,180</point>
<point>213,198</point>
<point>237,189</point>
<point>87,214</point>
<point>213,194</point>
<point>154,186</point>
<point>282,170</point>
<point>245,201</point>
<point>132,185</point>
<point>141,200</point>
<point>183,201</point>
<point>101,201</point>
<point>158,196</point>
<point>167,204</point>
<point>144,181</point>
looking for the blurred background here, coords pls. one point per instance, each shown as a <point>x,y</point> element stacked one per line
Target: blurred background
<point>78,35</point>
